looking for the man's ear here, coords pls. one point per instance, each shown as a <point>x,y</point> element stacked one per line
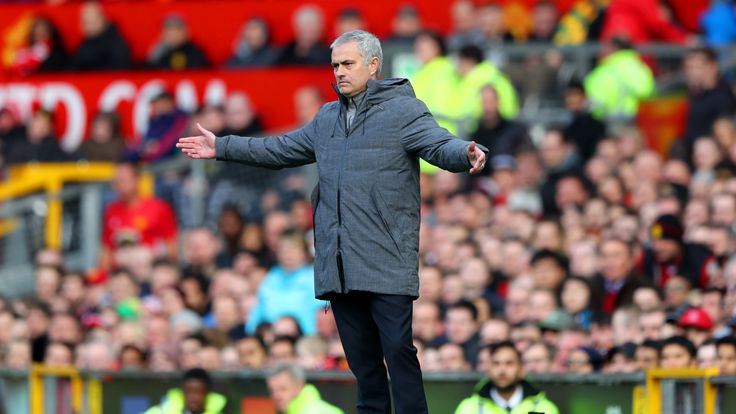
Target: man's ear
<point>373,66</point>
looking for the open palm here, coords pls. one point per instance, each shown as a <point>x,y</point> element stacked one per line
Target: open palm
<point>200,146</point>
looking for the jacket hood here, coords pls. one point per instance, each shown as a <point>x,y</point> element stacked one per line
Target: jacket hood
<point>382,90</point>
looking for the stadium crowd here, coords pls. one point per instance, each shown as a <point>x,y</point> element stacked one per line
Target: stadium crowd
<point>587,250</point>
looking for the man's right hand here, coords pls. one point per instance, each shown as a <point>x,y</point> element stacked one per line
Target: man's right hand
<point>200,146</point>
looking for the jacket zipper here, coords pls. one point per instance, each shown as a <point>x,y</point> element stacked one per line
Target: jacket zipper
<point>339,259</point>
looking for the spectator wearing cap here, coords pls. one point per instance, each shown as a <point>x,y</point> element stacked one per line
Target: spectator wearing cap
<point>726,352</point>
<point>494,130</point>
<point>618,279</point>
<point>175,50</point>
<point>668,255</point>
<point>678,352</point>
<point>584,130</point>
<point>194,396</point>
<point>554,325</point>
<point>103,47</point>
<point>476,73</point>
<point>697,325</point>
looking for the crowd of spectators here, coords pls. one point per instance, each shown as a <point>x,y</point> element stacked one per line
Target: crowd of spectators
<point>586,249</point>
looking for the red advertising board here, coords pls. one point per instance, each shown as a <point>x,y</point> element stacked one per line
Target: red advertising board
<point>76,98</point>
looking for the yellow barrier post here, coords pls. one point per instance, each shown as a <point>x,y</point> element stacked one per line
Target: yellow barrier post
<point>54,215</point>
<point>94,396</point>
<point>38,371</point>
<point>654,386</point>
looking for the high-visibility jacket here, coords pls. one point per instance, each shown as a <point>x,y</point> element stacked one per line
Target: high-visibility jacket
<point>617,84</point>
<point>173,403</point>
<point>481,402</point>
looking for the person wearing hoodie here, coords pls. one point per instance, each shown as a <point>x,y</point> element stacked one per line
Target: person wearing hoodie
<point>505,391</point>
<point>292,395</point>
<point>367,145</point>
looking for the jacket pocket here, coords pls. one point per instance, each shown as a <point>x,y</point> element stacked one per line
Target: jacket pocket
<point>389,226</point>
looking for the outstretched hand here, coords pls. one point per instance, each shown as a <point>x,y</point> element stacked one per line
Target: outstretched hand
<point>476,157</point>
<point>200,146</point>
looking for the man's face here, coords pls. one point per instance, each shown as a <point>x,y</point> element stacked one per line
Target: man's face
<point>251,353</point>
<point>283,390</point>
<point>195,394</point>
<point>646,358</point>
<point>460,325</point>
<point>666,250</point>
<point>615,260</point>
<point>675,356</point>
<point>650,325</point>
<point>537,359</point>
<point>727,359</point>
<point>351,72</point>
<point>126,182</point>
<point>506,369</point>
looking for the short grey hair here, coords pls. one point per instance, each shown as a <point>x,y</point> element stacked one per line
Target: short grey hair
<point>294,371</point>
<point>368,45</point>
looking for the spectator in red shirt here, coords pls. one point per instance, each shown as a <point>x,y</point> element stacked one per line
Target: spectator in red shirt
<point>642,21</point>
<point>136,219</point>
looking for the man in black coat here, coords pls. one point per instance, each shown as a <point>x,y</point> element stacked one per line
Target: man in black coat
<point>583,130</point>
<point>710,95</point>
<point>176,50</point>
<point>103,47</point>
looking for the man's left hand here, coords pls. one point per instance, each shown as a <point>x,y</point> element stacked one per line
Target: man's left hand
<point>476,157</point>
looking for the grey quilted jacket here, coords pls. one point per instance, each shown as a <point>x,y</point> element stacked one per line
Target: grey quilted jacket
<point>366,203</point>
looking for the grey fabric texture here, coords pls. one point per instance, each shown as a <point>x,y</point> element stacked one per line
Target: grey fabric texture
<point>366,203</point>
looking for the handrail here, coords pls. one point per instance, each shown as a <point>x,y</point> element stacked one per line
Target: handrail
<point>50,178</point>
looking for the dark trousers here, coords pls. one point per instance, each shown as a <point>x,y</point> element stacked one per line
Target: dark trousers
<point>373,327</point>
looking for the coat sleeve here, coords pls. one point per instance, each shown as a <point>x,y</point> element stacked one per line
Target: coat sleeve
<point>293,149</point>
<point>422,136</point>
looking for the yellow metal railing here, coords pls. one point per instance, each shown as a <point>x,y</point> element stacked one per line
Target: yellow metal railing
<point>654,386</point>
<point>50,178</point>
<point>94,389</point>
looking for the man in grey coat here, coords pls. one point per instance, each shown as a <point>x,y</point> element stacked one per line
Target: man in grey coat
<point>367,146</point>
